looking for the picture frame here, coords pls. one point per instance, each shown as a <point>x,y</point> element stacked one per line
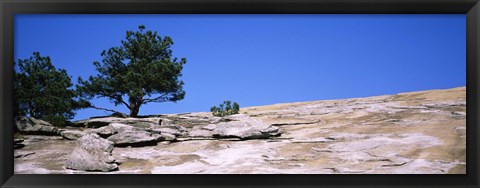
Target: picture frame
<point>9,8</point>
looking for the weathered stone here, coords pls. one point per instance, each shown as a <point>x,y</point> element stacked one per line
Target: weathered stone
<point>21,154</point>
<point>176,132</point>
<point>17,143</point>
<point>144,125</point>
<point>175,127</point>
<point>201,133</point>
<point>459,113</point>
<point>104,121</point>
<point>72,134</point>
<point>461,130</point>
<point>244,127</point>
<point>41,138</point>
<point>184,121</point>
<point>313,140</point>
<point>168,137</point>
<point>92,153</point>
<point>112,129</point>
<point>381,134</point>
<point>134,138</point>
<point>209,127</point>
<point>35,126</point>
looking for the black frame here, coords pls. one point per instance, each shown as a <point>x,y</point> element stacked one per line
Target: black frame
<point>8,9</point>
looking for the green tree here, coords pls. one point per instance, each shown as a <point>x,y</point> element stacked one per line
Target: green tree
<point>44,92</point>
<point>139,71</point>
<point>225,109</point>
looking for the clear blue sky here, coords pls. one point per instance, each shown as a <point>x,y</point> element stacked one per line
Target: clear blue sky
<point>266,59</point>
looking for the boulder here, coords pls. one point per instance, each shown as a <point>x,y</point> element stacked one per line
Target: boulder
<point>92,153</point>
<point>244,127</point>
<point>35,126</point>
<point>135,139</point>
<point>72,134</point>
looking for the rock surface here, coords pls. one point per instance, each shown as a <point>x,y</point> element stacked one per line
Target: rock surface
<point>72,134</point>
<point>31,125</point>
<point>418,132</point>
<point>111,129</point>
<point>105,121</point>
<point>134,138</point>
<point>17,143</point>
<point>92,153</point>
<point>243,127</point>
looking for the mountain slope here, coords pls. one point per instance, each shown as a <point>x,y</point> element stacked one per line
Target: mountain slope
<point>422,127</point>
<point>417,132</point>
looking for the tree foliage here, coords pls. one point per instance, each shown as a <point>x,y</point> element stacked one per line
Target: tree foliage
<point>139,71</point>
<point>225,109</point>
<point>44,92</point>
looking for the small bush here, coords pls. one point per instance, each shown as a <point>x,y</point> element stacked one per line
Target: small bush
<point>225,109</point>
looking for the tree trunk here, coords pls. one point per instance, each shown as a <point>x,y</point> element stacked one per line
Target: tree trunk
<point>134,106</point>
<point>31,110</point>
<point>134,111</point>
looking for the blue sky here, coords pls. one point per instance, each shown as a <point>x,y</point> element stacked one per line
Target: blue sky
<point>266,59</point>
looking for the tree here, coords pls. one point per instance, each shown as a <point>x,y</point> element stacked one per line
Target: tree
<point>139,71</point>
<point>44,92</point>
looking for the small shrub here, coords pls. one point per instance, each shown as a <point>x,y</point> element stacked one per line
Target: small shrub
<point>225,109</point>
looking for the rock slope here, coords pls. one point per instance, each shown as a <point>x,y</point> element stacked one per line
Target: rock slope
<point>418,132</point>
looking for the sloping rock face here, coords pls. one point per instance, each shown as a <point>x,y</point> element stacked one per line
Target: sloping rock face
<point>92,153</point>
<point>417,132</point>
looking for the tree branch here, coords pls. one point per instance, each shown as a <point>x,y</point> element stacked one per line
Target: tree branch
<point>153,99</point>
<point>105,109</point>
<point>116,98</point>
<point>126,104</point>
